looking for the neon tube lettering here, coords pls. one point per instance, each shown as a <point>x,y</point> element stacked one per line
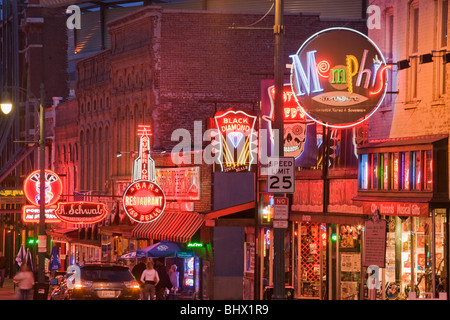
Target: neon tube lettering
<point>304,80</point>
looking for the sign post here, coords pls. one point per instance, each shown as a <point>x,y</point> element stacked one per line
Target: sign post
<point>279,65</point>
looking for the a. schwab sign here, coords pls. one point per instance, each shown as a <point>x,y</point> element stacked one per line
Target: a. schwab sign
<point>339,77</point>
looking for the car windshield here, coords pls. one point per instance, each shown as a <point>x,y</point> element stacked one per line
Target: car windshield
<point>106,273</point>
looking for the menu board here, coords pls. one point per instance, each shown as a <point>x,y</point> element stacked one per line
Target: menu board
<point>375,243</point>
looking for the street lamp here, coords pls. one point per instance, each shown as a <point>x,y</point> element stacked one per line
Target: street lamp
<point>6,104</point>
<point>6,107</point>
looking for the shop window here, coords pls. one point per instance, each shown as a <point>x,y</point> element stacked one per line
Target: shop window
<point>375,171</point>
<point>310,241</point>
<point>404,170</point>
<point>350,261</point>
<point>411,256</point>
<point>395,171</point>
<point>428,170</point>
<point>384,166</point>
<point>415,170</point>
<point>363,171</point>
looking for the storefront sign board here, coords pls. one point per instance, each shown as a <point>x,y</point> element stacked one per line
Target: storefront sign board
<point>375,243</point>
<point>31,213</point>
<point>81,212</point>
<point>339,77</point>
<point>396,208</point>
<point>144,201</point>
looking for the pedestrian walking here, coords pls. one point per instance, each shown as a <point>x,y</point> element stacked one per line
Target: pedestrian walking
<point>2,269</point>
<point>25,279</point>
<point>174,277</point>
<point>164,282</point>
<point>137,273</point>
<point>150,279</point>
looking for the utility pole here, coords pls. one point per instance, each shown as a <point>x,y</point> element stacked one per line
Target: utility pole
<point>279,66</point>
<point>42,244</point>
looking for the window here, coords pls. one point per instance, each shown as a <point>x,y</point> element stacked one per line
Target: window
<point>413,51</point>
<point>415,170</point>
<point>363,172</point>
<point>374,171</point>
<point>428,170</point>
<point>444,17</point>
<point>389,54</point>
<point>396,171</point>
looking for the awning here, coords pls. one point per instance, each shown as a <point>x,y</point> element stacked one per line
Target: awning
<point>172,226</point>
<point>63,234</point>
<point>230,210</point>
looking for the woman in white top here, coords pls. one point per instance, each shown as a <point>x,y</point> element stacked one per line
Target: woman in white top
<point>150,279</point>
<point>26,282</point>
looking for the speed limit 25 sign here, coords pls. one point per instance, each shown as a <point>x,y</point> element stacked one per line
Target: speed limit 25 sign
<point>281,175</point>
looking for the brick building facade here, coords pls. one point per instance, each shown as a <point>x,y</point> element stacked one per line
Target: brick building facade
<point>168,69</point>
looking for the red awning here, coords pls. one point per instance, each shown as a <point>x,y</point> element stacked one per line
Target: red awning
<point>171,226</point>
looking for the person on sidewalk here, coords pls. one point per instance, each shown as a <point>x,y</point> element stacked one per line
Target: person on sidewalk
<point>137,273</point>
<point>2,269</point>
<point>150,279</point>
<point>26,282</point>
<point>164,283</point>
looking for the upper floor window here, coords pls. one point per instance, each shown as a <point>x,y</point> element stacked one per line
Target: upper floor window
<point>397,171</point>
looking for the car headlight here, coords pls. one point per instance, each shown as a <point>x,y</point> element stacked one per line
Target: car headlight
<point>83,284</point>
<point>132,284</point>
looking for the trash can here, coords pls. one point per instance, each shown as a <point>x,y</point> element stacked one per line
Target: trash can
<point>41,291</point>
<point>288,293</point>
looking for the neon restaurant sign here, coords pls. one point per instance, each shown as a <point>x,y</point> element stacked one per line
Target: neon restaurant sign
<point>143,199</point>
<point>237,144</point>
<point>81,212</point>
<point>339,77</point>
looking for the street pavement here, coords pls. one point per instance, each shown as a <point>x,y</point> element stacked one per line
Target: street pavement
<point>7,292</point>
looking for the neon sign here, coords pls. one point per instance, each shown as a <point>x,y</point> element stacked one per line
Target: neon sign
<point>32,214</point>
<point>32,187</point>
<point>81,212</point>
<point>299,139</point>
<point>339,77</point>
<point>143,199</point>
<point>236,139</point>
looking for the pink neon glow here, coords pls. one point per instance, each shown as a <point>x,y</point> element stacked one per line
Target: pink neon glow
<point>381,84</point>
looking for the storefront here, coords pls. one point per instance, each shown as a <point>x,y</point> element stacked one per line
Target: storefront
<point>406,181</point>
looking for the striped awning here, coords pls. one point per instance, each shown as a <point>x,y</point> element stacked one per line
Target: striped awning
<point>171,226</point>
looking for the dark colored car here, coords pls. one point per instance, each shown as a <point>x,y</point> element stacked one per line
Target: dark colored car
<point>98,281</point>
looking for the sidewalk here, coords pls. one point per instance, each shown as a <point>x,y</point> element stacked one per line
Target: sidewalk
<point>7,292</point>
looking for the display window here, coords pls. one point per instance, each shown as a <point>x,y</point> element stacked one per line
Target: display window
<point>396,171</point>
<point>415,257</point>
<point>349,253</point>
<point>309,241</point>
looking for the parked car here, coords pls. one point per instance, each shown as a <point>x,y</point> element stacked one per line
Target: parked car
<point>97,281</point>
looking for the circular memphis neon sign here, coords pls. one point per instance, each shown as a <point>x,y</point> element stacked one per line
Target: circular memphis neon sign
<point>32,187</point>
<point>339,77</point>
<point>144,201</point>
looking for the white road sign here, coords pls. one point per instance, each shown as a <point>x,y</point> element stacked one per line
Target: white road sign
<point>281,175</point>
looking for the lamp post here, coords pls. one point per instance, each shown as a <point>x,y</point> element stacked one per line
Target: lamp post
<point>278,233</point>
<point>42,244</point>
